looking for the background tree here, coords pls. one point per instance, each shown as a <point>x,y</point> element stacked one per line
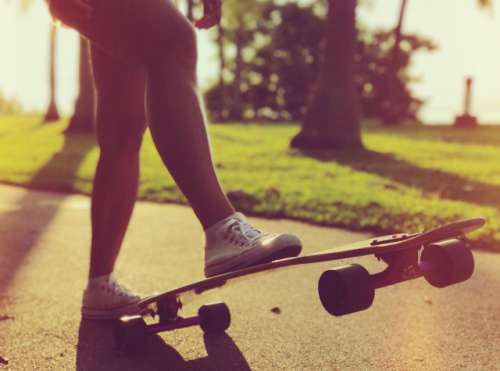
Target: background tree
<point>83,114</point>
<point>52,113</point>
<point>391,115</point>
<point>83,119</point>
<point>382,93</point>
<point>285,48</point>
<point>332,119</point>
<point>278,80</point>
<point>234,36</point>
<point>190,9</point>
<point>333,116</point>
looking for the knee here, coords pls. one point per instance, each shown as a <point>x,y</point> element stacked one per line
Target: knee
<point>122,141</point>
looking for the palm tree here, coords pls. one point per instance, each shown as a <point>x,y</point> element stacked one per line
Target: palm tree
<point>390,116</point>
<point>83,116</point>
<point>190,7</point>
<point>83,119</point>
<point>332,120</point>
<point>52,113</point>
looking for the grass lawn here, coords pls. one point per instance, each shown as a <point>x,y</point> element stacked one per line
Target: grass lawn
<point>409,178</point>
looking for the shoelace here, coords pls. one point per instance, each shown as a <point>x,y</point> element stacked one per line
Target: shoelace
<point>116,289</point>
<point>241,233</point>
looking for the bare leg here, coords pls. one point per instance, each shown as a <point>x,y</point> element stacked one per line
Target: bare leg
<point>120,127</point>
<point>181,139</point>
<point>157,36</point>
<point>177,123</point>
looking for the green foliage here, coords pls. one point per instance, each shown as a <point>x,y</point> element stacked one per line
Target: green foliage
<point>283,59</point>
<point>239,13</point>
<point>409,178</point>
<point>376,75</point>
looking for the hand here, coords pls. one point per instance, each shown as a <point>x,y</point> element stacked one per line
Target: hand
<point>71,12</point>
<point>211,14</point>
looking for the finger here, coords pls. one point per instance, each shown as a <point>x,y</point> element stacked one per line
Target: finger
<point>205,22</point>
<point>201,23</point>
<point>212,14</point>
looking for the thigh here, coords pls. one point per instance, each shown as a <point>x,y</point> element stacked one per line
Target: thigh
<point>120,89</point>
<point>133,30</point>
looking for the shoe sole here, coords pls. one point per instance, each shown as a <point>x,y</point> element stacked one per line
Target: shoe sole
<point>110,314</point>
<point>286,252</point>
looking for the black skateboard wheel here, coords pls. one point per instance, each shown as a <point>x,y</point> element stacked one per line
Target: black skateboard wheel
<point>446,263</point>
<point>130,332</point>
<point>214,318</point>
<point>346,289</point>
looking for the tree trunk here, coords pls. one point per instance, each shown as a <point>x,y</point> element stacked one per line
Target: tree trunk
<point>391,116</point>
<point>398,33</point>
<point>190,6</point>
<point>236,101</point>
<point>83,116</point>
<point>52,111</point>
<point>222,58</point>
<point>332,120</point>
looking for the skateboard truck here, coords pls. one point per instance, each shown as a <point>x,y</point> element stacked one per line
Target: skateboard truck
<point>351,288</point>
<point>131,331</point>
<point>401,266</point>
<point>167,310</point>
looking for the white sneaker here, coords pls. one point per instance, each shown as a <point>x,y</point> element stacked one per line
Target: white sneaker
<point>233,244</point>
<point>104,298</point>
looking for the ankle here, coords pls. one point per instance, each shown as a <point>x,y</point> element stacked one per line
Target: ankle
<point>101,275</point>
<point>210,221</point>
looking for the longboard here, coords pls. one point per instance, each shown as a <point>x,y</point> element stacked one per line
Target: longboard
<point>440,255</point>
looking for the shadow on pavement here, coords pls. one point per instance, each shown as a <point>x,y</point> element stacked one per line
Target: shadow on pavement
<point>96,351</point>
<point>22,225</point>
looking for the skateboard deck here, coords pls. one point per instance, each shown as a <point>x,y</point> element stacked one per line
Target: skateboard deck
<point>379,245</point>
<point>440,255</point>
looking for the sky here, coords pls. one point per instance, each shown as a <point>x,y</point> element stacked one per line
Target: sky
<point>468,45</point>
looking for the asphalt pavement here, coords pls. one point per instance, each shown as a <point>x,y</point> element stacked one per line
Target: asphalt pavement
<point>44,252</point>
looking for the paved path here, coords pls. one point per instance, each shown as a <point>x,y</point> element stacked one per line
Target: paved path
<point>44,240</point>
